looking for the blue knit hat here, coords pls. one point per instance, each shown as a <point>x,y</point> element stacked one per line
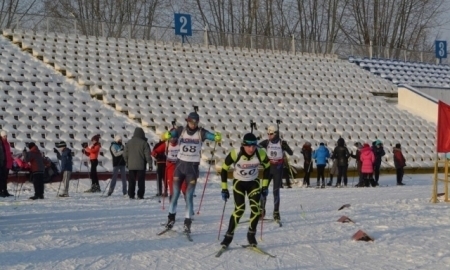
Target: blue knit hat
<point>194,117</point>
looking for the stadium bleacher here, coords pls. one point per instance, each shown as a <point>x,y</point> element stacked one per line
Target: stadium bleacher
<point>317,98</point>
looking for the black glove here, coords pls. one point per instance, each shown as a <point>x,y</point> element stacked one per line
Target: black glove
<point>84,145</point>
<point>55,150</point>
<point>264,191</point>
<point>225,194</point>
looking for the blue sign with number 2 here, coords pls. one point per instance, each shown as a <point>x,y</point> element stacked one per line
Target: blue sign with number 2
<point>183,25</point>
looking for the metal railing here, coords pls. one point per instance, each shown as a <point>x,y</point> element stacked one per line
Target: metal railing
<point>42,23</point>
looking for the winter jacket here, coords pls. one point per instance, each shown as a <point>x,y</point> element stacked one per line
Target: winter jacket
<point>93,151</point>
<point>66,159</point>
<point>367,159</point>
<point>357,156</point>
<point>399,159</point>
<point>307,153</point>
<point>2,156</point>
<point>159,155</point>
<point>379,153</point>
<point>116,150</point>
<point>321,155</point>
<point>8,156</point>
<point>341,153</point>
<point>34,157</point>
<point>137,152</point>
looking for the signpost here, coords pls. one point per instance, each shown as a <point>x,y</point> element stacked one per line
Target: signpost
<point>440,47</point>
<point>183,25</point>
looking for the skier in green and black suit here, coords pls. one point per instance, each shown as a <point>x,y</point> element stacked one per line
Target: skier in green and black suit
<point>246,162</point>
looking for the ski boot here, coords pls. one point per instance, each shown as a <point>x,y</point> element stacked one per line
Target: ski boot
<point>251,238</point>
<point>226,240</point>
<point>170,221</point>
<point>187,225</point>
<point>276,216</point>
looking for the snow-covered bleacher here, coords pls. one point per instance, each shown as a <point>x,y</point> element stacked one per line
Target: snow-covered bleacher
<point>411,73</point>
<point>40,105</point>
<point>317,98</point>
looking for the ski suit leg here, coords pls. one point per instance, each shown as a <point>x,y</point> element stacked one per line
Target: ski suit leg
<point>178,179</point>
<point>123,175</point>
<point>93,172</point>
<point>191,182</point>
<point>112,185</point>
<point>66,180</point>
<point>277,172</point>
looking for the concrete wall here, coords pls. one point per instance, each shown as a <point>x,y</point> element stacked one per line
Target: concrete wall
<point>417,103</point>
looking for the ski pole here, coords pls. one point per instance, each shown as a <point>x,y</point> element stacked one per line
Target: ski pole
<point>221,220</point>
<point>356,170</point>
<point>262,222</point>
<point>20,189</point>
<point>107,185</point>
<point>207,176</point>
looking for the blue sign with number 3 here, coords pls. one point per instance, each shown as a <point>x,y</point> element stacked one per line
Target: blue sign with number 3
<point>441,48</point>
<point>183,25</point>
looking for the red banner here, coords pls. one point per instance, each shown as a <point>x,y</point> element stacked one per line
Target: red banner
<point>443,128</point>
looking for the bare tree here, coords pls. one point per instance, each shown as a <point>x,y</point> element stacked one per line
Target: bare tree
<point>12,11</point>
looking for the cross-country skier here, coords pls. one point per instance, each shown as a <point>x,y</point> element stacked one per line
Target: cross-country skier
<point>191,138</point>
<point>246,161</point>
<point>275,147</point>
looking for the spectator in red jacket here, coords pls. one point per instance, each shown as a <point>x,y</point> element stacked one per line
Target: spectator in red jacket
<point>34,157</point>
<point>170,151</point>
<point>6,162</point>
<point>367,160</point>
<point>400,163</point>
<point>92,152</point>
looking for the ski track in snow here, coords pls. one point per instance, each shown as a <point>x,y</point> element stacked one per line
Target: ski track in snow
<point>86,231</point>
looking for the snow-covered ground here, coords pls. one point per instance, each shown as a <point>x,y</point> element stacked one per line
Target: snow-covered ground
<point>87,231</point>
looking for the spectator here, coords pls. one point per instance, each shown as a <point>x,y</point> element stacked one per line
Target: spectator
<point>66,165</point>
<point>6,162</point>
<point>136,155</point>
<point>92,152</point>
<point>341,154</point>
<point>34,157</point>
<point>307,164</point>
<point>357,158</point>
<point>160,169</point>
<point>321,156</point>
<point>400,163</point>
<point>118,161</point>
<point>378,151</point>
<point>367,159</point>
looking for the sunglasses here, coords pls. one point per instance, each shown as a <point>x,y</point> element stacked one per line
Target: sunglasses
<point>270,134</point>
<point>250,143</point>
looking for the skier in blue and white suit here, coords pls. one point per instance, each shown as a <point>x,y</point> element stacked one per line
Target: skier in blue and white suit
<point>191,138</point>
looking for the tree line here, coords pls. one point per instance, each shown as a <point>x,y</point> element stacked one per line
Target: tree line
<point>391,24</point>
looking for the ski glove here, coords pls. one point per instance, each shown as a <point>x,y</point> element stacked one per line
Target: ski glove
<point>165,136</point>
<point>225,194</point>
<point>217,137</point>
<point>265,191</point>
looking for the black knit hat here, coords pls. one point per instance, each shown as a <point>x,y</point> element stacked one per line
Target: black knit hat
<point>398,146</point>
<point>31,145</point>
<point>249,139</point>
